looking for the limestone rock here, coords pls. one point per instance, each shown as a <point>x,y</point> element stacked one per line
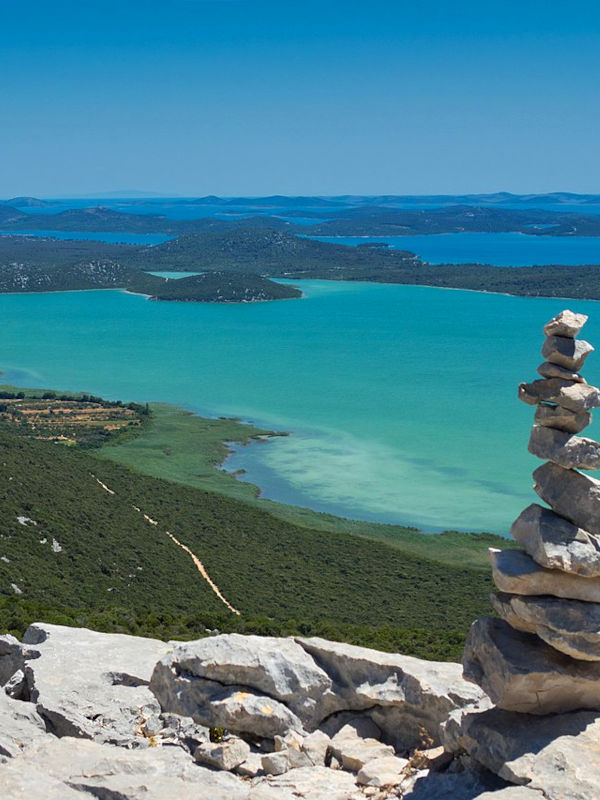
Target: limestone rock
<point>570,452</point>
<point>315,745</point>
<point>567,323</point>
<point>512,793</point>
<point>307,783</point>
<point>106,771</point>
<point>561,418</point>
<point>521,673</point>
<point>20,726</point>
<point>576,397</point>
<point>276,763</point>
<point>236,708</point>
<point>570,626</point>
<point>385,771</point>
<point>251,767</point>
<point>403,695</point>
<point>92,685</point>
<point>275,667</point>
<point>549,370</point>
<point>353,752</point>
<point>570,494</point>
<point>21,781</point>
<point>556,755</point>
<point>567,352</point>
<point>556,543</point>
<point>226,755</point>
<point>11,657</point>
<point>517,573</point>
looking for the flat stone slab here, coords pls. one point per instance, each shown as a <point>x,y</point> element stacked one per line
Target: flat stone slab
<point>549,370</point>
<point>517,573</point>
<point>92,685</point>
<point>556,755</point>
<point>385,771</point>
<point>571,395</point>
<point>570,494</point>
<point>566,352</point>
<point>106,771</point>
<point>570,626</point>
<point>567,323</point>
<point>561,418</point>
<point>306,783</point>
<point>522,673</point>
<point>564,449</point>
<point>555,543</point>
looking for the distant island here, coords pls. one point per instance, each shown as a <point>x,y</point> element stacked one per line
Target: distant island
<point>242,265</point>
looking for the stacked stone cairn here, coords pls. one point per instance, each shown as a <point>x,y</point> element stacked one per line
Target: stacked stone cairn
<point>542,655</point>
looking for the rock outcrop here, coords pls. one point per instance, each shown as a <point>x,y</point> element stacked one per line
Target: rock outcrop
<point>540,662</point>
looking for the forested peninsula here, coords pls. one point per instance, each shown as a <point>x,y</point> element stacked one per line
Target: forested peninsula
<point>239,265</point>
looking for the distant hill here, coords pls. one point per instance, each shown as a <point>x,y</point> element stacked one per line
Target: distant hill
<point>29,202</point>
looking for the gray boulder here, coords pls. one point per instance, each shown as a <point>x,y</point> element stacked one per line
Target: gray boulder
<point>576,397</point>
<point>517,573</point>
<point>563,448</point>
<point>404,696</point>
<point>274,667</point>
<point>558,756</point>
<point>570,494</point>
<point>549,370</point>
<point>556,543</point>
<point>353,751</point>
<point>315,745</point>
<point>92,685</point>
<point>567,352</point>
<point>567,323</point>
<point>561,418</point>
<point>522,673</point>
<point>570,626</point>
<point>239,709</point>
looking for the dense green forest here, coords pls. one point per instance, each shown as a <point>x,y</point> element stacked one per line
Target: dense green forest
<point>72,552</point>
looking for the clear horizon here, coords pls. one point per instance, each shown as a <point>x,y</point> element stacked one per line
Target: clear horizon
<point>255,98</point>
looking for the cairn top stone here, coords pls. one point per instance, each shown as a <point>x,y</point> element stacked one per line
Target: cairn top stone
<point>567,324</point>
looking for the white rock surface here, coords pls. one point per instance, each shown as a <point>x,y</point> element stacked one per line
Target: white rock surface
<point>308,783</point>
<point>522,673</point>
<point>92,685</point>
<point>315,745</point>
<point>555,543</point>
<point>20,726</point>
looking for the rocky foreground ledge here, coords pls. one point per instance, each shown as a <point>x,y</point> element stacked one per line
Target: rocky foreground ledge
<point>228,717</point>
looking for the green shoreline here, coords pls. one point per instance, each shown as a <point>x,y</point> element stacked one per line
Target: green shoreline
<point>185,448</point>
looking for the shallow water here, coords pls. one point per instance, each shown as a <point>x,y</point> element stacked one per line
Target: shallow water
<point>401,400</point>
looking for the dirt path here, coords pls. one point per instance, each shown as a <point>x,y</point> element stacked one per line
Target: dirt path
<point>197,563</point>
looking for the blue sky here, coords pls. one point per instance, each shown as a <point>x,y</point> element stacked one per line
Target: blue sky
<point>194,97</point>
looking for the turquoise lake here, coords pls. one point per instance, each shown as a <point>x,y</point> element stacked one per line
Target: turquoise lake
<point>498,249</point>
<point>401,401</point>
